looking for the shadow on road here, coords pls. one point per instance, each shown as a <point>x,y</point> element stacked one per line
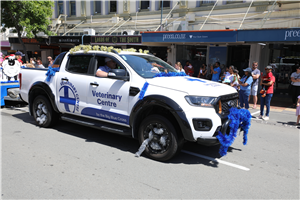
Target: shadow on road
<point>131,145</point>
<point>289,124</point>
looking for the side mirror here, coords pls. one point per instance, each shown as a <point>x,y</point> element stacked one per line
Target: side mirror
<point>120,74</point>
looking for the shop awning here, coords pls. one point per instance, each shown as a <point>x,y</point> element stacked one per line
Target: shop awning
<point>190,36</point>
<point>269,35</point>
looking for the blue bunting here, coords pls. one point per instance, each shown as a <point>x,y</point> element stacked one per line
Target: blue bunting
<point>237,117</point>
<point>51,72</point>
<point>9,81</point>
<point>142,93</point>
<point>163,74</point>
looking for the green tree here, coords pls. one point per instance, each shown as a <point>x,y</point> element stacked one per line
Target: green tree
<point>32,17</point>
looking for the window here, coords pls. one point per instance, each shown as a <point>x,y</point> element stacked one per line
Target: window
<point>147,66</point>
<point>58,60</point>
<point>207,2</point>
<point>166,4</point>
<point>233,1</point>
<point>97,6</point>
<point>144,5</point>
<point>73,8</point>
<point>113,6</point>
<point>79,64</point>
<point>60,7</point>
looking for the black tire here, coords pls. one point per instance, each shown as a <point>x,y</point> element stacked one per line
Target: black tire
<point>43,112</point>
<point>162,146</point>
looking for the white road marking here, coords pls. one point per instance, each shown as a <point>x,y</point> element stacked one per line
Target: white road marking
<point>216,160</point>
<point>255,113</point>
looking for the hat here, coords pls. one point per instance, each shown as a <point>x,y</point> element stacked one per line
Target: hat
<point>107,59</point>
<point>247,69</point>
<point>268,67</point>
<point>19,53</point>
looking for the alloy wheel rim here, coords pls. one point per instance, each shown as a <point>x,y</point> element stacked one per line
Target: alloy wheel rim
<point>41,112</point>
<point>159,138</point>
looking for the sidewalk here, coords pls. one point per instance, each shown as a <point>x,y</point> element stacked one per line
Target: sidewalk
<point>281,116</point>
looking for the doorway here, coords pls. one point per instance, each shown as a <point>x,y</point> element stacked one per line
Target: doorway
<point>238,56</point>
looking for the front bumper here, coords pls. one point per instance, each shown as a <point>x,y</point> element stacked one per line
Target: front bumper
<point>210,141</point>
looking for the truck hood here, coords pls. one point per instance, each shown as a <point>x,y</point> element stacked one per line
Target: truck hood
<point>192,86</point>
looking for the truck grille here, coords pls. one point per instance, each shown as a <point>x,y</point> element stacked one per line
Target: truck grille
<point>226,102</point>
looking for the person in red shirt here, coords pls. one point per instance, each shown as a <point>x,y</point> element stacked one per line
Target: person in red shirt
<point>265,79</point>
<point>266,100</point>
<point>19,55</point>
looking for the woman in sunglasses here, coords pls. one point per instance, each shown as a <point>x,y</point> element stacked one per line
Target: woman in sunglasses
<point>266,99</point>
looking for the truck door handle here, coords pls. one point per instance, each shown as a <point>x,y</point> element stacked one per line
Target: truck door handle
<point>94,84</point>
<point>65,79</point>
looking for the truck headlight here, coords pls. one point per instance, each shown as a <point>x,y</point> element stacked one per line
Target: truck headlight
<point>201,101</point>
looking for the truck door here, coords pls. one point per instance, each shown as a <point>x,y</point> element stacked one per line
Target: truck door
<point>73,84</point>
<point>107,98</point>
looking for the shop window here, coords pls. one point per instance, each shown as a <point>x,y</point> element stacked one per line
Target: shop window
<point>60,7</point>
<point>196,55</point>
<point>97,7</point>
<point>144,5</point>
<point>113,6</point>
<point>166,4</point>
<point>73,8</point>
<point>283,58</point>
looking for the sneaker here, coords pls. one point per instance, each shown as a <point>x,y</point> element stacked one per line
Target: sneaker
<point>259,117</point>
<point>266,118</point>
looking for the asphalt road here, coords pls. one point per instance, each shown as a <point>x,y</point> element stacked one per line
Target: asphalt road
<point>71,161</point>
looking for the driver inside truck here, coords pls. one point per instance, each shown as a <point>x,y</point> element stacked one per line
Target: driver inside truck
<point>103,70</point>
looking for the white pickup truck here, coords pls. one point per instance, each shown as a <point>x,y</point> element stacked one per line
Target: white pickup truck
<point>144,98</point>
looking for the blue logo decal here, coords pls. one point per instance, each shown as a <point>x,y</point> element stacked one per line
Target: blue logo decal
<point>69,97</point>
<point>194,79</point>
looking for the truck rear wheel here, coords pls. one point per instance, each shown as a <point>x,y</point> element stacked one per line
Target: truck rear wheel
<point>163,142</point>
<point>43,112</point>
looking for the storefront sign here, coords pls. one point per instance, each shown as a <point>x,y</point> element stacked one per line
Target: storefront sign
<point>190,36</point>
<point>28,40</point>
<point>68,39</point>
<point>116,39</point>
<point>269,35</point>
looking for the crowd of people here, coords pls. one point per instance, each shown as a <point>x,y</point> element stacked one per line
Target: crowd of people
<point>33,62</point>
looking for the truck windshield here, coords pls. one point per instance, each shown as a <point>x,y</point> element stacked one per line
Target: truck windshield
<point>147,66</point>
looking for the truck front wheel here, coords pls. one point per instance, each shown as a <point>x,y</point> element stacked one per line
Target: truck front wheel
<point>163,143</point>
<point>43,112</point>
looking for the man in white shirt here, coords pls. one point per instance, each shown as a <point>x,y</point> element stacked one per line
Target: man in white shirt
<point>103,70</point>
